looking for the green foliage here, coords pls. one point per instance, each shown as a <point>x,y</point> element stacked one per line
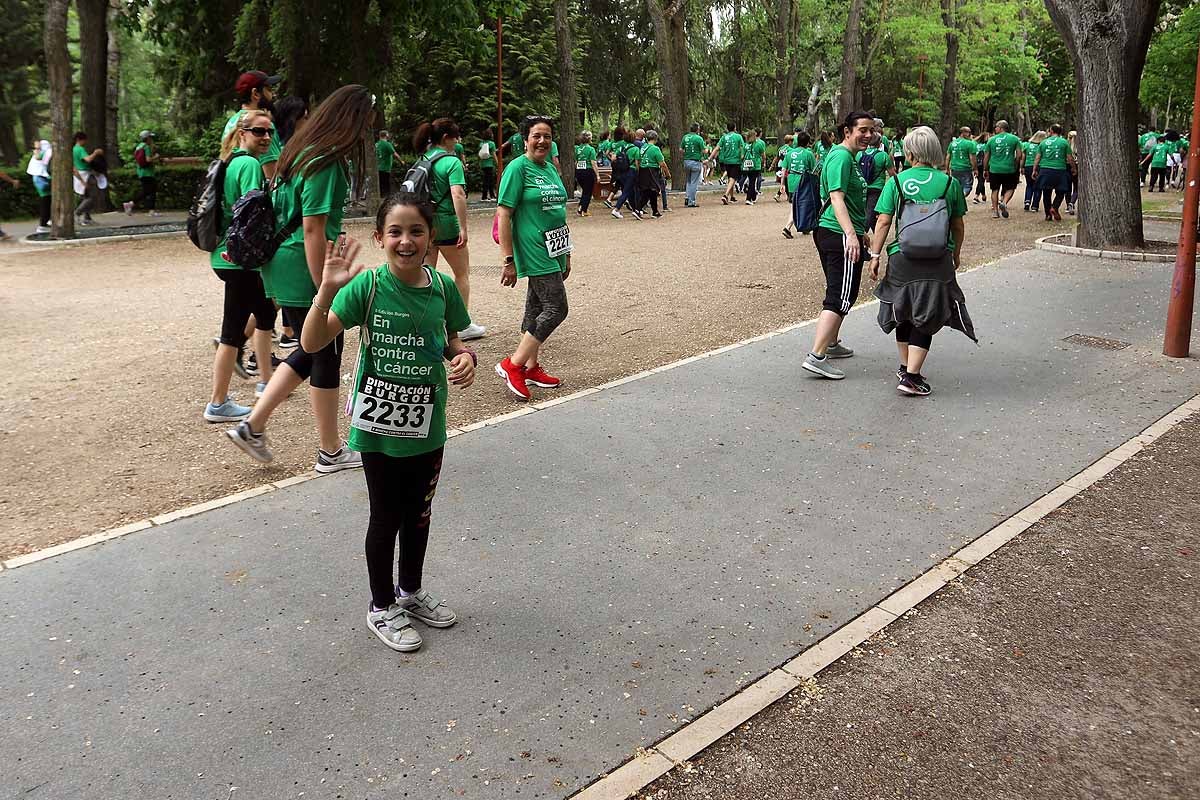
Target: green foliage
<point>177,187</point>
<point>1169,77</point>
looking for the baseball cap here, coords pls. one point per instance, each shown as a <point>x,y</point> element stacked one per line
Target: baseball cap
<point>146,135</point>
<point>255,79</point>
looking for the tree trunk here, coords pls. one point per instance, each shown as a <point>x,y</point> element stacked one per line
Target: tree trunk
<point>813,107</point>
<point>786,65</point>
<point>30,124</point>
<point>1107,41</point>
<point>851,93</point>
<point>670,42</point>
<point>58,78</point>
<point>112,137</point>
<point>93,68</point>
<point>949,121</point>
<point>568,98</point>
<point>739,65</point>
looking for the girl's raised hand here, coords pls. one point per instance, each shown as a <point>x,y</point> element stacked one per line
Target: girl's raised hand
<point>339,263</point>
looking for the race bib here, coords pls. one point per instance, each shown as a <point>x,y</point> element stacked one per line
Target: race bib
<point>393,409</point>
<point>558,241</point>
<point>748,165</point>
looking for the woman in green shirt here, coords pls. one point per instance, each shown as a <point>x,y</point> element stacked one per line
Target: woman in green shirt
<point>244,295</point>
<point>587,175</point>
<point>531,214</point>
<point>487,164</point>
<point>448,187</point>
<point>651,168</point>
<point>398,413</point>
<point>919,294</point>
<point>313,177</point>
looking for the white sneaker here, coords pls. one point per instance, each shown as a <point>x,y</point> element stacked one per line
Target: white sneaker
<point>617,214</point>
<point>472,331</point>
<point>344,458</point>
<point>42,229</point>
<point>128,205</point>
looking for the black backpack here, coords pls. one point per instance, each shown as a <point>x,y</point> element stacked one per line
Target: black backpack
<point>866,165</point>
<point>204,216</point>
<point>252,240</point>
<point>419,178</point>
<point>621,162</point>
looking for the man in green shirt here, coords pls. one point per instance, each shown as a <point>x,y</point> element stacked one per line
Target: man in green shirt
<point>729,152</point>
<point>838,238</point>
<point>81,167</point>
<point>1052,166</point>
<point>1002,159</point>
<point>487,164</point>
<point>752,164</point>
<point>256,90</point>
<point>693,148</point>
<point>385,154</point>
<point>960,159</point>
<point>799,174</point>
<point>144,157</point>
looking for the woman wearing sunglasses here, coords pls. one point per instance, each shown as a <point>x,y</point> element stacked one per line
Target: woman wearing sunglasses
<point>248,139</point>
<point>313,177</point>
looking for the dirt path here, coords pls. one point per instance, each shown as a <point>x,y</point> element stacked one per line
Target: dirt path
<point>110,360</point>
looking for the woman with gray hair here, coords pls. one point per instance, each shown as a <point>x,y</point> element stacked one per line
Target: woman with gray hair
<point>919,295</point>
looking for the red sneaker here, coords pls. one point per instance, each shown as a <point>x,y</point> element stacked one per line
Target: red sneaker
<point>539,377</point>
<point>1057,216</point>
<point>514,378</point>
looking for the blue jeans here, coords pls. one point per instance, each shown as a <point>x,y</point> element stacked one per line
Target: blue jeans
<point>966,179</point>
<point>692,170</point>
<point>1032,193</point>
<point>628,190</point>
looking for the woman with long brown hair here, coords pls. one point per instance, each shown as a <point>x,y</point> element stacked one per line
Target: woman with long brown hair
<point>448,187</point>
<point>314,180</point>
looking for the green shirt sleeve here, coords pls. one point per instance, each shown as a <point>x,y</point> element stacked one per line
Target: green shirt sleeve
<point>887,200</point>
<point>512,184</point>
<point>455,175</point>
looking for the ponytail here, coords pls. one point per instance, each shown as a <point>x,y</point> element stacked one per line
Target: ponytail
<point>430,134</point>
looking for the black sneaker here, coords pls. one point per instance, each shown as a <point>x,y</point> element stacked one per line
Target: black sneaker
<point>288,342</point>
<point>900,372</point>
<point>239,366</point>
<point>913,385</point>
<point>251,366</point>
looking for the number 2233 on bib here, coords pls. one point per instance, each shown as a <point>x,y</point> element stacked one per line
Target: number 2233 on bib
<point>393,409</point>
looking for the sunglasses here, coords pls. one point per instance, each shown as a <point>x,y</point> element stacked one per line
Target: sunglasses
<point>259,132</point>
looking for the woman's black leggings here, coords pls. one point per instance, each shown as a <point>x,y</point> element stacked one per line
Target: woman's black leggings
<point>401,493</point>
<point>488,191</point>
<point>147,192</point>
<point>1158,174</point>
<point>907,334</point>
<point>586,179</point>
<point>322,369</point>
<point>545,305</point>
<point>244,295</point>
<point>980,187</point>
<point>647,191</point>
<point>44,210</point>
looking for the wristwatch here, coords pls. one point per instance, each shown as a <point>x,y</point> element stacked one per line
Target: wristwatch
<point>508,260</point>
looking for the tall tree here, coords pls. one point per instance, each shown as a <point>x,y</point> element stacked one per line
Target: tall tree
<point>785,22</point>
<point>93,68</point>
<point>568,97</point>
<point>1107,40</point>
<point>851,93</point>
<point>58,68</point>
<point>670,44</point>
<point>949,119</point>
<point>112,91</point>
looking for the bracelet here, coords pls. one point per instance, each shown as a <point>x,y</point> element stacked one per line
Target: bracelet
<point>471,353</point>
<point>320,307</point>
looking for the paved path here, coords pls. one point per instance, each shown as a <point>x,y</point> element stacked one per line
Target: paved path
<point>620,563</point>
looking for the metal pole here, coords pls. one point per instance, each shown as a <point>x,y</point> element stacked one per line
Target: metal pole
<point>499,94</point>
<point>1177,341</point>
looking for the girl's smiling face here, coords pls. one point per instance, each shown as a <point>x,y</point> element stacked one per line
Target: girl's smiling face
<point>405,237</point>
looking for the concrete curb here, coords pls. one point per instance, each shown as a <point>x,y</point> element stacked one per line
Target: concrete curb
<point>650,764</point>
<point>1051,244</point>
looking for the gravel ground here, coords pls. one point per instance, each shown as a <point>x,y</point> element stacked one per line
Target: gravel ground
<point>1063,666</point>
<point>109,352</point>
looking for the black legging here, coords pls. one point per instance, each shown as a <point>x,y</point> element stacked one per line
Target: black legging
<point>647,190</point>
<point>907,334</point>
<point>1158,174</point>
<point>752,180</point>
<point>147,192</point>
<point>586,179</point>
<point>44,210</point>
<point>489,183</point>
<point>401,495</point>
<point>980,188</point>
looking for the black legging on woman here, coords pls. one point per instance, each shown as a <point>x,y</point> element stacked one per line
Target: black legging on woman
<point>1158,174</point>
<point>586,179</point>
<point>488,177</point>
<point>401,495</point>
<point>647,185</point>
<point>907,334</point>
<point>147,192</point>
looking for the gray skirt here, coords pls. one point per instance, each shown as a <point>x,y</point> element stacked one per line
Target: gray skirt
<point>923,293</point>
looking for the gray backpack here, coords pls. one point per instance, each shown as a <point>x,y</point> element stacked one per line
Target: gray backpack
<point>923,228</point>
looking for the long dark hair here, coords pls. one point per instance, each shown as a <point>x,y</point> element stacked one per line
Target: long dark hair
<point>333,134</point>
<point>429,134</point>
<point>289,111</point>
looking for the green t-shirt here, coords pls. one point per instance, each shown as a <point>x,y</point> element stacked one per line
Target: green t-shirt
<point>1002,153</point>
<point>447,172</point>
<point>781,154</point>
<point>516,145</point>
<point>459,151</point>
<point>1054,151</point>
<point>407,343</point>
<point>821,150</point>
<point>385,152</point>
<point>585,156</point>
<point>756,152</point>
<point>885,144</point>
<point>800,161</point>
<point>652,157</point>
<point>78,154</point>
<point>897,148</point>
<point>285,276</point>
<point>1030,151</point>
<point>1160,152</point>
<point>634,154</point>
<point>1144,140</point>
<point>883,162</point>
<point>605,148</point>
<point>538,200</point>
<point>490,161</point>
<point>979,148</point>
<point>554,149</point>
<point>272,153</point>
<point>148,170</point>
<point>961,151</point>
<point>242,175</point>
<point>731,148</point>
<point>840,172</point>
<point>693,147</point>
<point>924,185</point>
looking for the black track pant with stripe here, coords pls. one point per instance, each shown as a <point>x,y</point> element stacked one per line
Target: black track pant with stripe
<point>843,276</point>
